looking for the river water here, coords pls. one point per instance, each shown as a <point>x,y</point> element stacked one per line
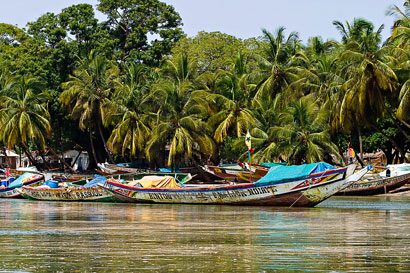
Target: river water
<point>342,234</point>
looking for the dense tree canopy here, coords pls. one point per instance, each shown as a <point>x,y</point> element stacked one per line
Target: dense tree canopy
<point>135,87</point>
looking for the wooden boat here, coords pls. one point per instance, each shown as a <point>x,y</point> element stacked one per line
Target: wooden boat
<point>199,174</point>
<point>237,173</point>
<point>70,177</point>
<point>377,185</point>
<point>22,170</point>
<point>104,169</point>
<point>77,193</point>
<point>66,194</point>
<point>25,179</point>
<point>229,172</point>
<point>87,192</point>
<point>119,168</point>
<point>307,188</point>
<point>258,171</point>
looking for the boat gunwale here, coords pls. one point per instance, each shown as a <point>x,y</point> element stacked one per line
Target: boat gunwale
<point>24,185</point>
<point>372,187</point>
<point>59,189</point>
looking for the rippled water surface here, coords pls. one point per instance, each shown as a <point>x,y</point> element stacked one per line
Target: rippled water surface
<point>341,235</point>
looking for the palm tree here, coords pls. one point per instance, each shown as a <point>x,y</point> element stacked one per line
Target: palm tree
<point>24,115</point>
<point>264,141</point>
<point>303,135</point>
<point>401,27</point>
<point>87,94</point>
<point>369,81</point>
<point>233,98</point>
<point>134,117</point>
<point>280,65</point>
<point>6,82</point>
<point>400,36</point>
<point>180,110</point>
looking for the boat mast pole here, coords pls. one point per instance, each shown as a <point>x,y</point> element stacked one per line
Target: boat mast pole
<point>250,165</point>
<point>249,145</point>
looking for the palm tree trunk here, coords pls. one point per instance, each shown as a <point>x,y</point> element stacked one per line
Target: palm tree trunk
<point>404,123</point>
<point>92,146</point>
<point>397,125</point>
<point>76,158</point>
<point>42,157</point>
<point>390,139</point>
<point>393,118</point>
<point>30,157</point>
<point>359,131</point>
<point>62,159</point>
<point>5,155</point>
<point>105,143</point>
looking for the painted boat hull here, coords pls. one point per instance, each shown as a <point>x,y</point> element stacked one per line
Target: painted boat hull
<point>302,193</point>
<point>70,178</point>
<point>377,186</point>
<point>96,194</point>
<point>224,173</point>
<point>14,192</point>
<point>257,173</point>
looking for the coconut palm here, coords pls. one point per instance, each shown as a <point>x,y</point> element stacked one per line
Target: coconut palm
<point>24,115</point>
<point>369,81</point>
<point>264,142</point>
<point>87,94</point>
<point>6,82</point>
<point>233,97</point>
<point>133,116</point>
<point>401,26</point>
<point>303,136</point>
<point>400,36</point>
<point>181,110</point>
<point>280,65</point>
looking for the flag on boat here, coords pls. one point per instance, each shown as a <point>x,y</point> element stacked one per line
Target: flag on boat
<point>248,140</point>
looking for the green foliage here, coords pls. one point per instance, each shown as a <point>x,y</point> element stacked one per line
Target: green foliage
<point>137,81</point>
<point>213,51</point>
<point>144,30</point>
<point>24,115</point>
<point>229,150</point>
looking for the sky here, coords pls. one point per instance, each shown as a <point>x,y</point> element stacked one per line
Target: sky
<point>240,18</point>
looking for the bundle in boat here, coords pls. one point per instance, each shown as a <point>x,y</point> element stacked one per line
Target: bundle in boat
<point>153,181</point>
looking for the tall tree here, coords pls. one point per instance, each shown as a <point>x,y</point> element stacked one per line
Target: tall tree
<point>87,95</point>
<point>400,41</point>
<point>303,135</point>
<point>24,116</point>
<point>145,30</point>
<point>279,65</point>
<point>134,116</point>
<point>212,50</point>
<point>181,110</point>
<point>369,80</point>
<point>233,99</point>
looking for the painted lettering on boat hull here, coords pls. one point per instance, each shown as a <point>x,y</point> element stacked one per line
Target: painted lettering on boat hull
<point>73,194</point>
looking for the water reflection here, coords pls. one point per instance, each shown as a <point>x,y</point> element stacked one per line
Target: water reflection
<point>343,235</point>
